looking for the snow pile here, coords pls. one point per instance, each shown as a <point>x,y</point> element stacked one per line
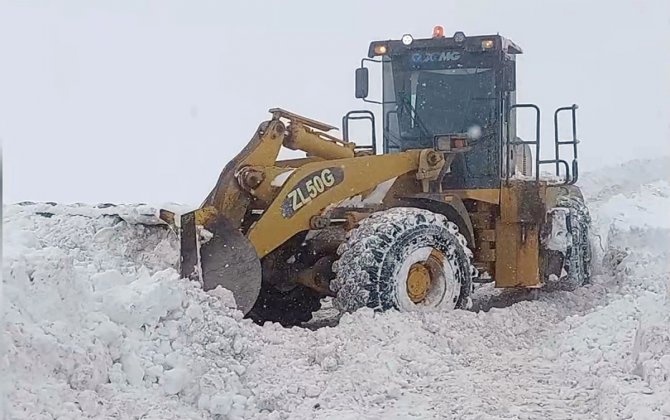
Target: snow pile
<point>634,219</point>
<point>623,179</point>
<point>98,325</point>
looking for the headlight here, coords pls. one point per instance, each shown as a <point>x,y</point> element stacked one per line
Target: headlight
<point>459,37</point>
<point>407,39</point>
<point>380,49</point>
<point>487,44</point>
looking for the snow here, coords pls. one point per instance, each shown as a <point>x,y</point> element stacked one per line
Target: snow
<point>379,192</point>
<point>281,179</point>
<point>108,326</point>
<point>558,237</point>
<point>376,196</point>
<point>549,177</point>
<point>97,324</point>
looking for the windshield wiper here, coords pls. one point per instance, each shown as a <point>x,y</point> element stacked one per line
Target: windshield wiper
<point>405,102</point>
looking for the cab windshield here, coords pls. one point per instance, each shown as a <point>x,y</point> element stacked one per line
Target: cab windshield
<point>453,100</point>
<point>436,101</point>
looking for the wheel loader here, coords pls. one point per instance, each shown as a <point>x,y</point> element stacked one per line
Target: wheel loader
<point>450,197</point>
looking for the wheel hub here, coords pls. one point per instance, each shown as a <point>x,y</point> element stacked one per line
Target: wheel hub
<point>418,282</point>
<point>424,275</point>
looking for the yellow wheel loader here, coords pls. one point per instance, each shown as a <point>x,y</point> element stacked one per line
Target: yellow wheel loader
<point>449,197</point>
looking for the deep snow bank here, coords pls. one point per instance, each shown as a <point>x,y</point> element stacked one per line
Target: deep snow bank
<point>632,215</point>
<point>97,324</point>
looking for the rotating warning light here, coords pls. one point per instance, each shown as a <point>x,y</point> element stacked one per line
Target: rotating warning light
<point>438,32</point>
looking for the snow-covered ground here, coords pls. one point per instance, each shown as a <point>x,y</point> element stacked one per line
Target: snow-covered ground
<point>98,324</point>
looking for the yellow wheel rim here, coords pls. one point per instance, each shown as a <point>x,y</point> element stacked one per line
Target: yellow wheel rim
<point>418,282</point>
<point>422,275</point>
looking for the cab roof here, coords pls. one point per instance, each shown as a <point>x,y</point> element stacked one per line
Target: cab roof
<point>459,41</point>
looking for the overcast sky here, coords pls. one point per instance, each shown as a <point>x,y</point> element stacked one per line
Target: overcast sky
<point>145,101</point>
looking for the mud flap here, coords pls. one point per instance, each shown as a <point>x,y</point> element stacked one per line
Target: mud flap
<point>217,256</point>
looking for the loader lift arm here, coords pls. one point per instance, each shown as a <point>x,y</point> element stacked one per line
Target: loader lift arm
<point>308,189</point>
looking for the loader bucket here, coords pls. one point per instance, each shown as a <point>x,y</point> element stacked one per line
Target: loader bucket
<point>218,255</point>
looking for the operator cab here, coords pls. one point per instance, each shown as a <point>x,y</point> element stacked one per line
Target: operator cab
<point>451,87</point>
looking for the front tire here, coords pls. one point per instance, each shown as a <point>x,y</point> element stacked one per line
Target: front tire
<point>407,259</point>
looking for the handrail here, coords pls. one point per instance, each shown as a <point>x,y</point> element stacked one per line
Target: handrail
<point>362,114</point>
<point>559,162</point>
<point>535,142</point>
<point>558,143</point>
<point>571,170</point>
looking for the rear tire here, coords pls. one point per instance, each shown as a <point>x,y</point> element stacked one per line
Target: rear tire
<point>570,268</point>
<point>375,264</point>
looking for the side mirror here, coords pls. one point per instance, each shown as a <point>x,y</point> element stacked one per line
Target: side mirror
<point>361,82</point>
<point>509,76</point>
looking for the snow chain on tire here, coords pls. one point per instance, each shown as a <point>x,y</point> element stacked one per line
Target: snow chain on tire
<point>375,251</point>
<point>578,255</point>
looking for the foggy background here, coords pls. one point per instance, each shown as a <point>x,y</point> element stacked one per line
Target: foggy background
<point>146,101</point>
